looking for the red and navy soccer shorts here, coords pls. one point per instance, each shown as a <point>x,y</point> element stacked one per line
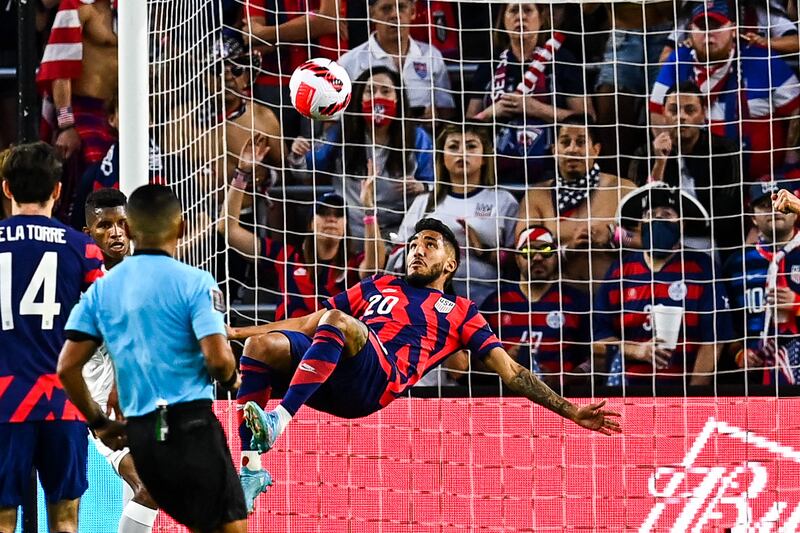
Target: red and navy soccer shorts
<point>356,385</point>
<point>58,449</point>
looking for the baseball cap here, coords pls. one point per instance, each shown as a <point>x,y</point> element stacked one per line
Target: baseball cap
<point>716,10</point>
<point>330,201</point>
<point>534,234</point>
<point>767,187</point>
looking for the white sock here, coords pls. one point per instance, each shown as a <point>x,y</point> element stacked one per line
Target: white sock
<point>251,460</point>
<point>283,418</point>
<point>137,518</point>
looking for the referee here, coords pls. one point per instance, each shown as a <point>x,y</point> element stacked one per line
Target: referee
<point>163,324</point>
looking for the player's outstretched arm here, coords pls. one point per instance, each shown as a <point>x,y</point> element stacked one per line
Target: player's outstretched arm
<point>304,324</point>
<point>73,356</point>
<point>522,381</point>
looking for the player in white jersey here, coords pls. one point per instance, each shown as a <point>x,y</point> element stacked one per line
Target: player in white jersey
<point>106,224</point>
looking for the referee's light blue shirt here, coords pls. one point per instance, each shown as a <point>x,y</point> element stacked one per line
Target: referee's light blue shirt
<point>152,310</point>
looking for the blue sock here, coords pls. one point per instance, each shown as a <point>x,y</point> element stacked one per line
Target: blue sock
<point>256,387</point>
<point>315,368</point>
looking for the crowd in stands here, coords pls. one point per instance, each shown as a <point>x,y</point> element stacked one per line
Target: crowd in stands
<point>597,162</point>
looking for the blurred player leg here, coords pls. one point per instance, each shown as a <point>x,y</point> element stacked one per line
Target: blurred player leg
<point>140,511</point>
<point>62,516</point>
<point>61,459</point>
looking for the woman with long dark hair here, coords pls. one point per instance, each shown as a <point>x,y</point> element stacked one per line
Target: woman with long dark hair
<point>373,130</point>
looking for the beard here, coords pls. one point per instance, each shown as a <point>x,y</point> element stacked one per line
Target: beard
<point>419,279</point>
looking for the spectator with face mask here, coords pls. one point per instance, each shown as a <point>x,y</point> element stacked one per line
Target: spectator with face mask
<point>374,139</point>
<point>663,274</point>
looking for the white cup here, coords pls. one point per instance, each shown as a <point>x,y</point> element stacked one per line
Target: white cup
<point>667,324</point>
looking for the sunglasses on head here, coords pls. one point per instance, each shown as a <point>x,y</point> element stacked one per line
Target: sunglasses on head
<point>547,251</point>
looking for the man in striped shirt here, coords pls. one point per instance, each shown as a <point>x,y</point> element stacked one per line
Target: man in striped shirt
<point>663,273</point>
<point>79,74</point>
<point>543,323</point>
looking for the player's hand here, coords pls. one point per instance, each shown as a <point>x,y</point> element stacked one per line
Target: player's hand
<point>412,186</point>
<point>254,151</point>
<point>301,146</point>
<point>68,142</point>
<point>112,405</point>
<point>594,417</point>
<point>784,201</point>
<point>662,144</point>
<point>232,333</point>
<point>113,434</point>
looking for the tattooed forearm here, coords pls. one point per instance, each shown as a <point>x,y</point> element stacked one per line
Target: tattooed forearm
<point>533,388</point>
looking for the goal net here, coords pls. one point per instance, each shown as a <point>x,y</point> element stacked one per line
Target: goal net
<point>608,169</point>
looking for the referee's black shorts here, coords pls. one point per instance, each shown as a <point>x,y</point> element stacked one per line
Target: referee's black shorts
<point>191,475</point>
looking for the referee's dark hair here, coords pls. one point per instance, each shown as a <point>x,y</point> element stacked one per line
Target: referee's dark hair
<point>32,171</point>
<point>105,198</point>
<point>154,214</point>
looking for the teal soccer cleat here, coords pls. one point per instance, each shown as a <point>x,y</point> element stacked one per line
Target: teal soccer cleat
<point>263,425</point>
<point>254,482</point>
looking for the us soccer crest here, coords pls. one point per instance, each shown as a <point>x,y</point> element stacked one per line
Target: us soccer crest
<point>677,290</point>
<point>421,69</point>
<point>444,305</point>
<point>795,274</point>
<point>555,319</point>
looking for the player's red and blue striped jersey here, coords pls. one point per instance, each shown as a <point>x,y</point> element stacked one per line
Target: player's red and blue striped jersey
<point>624,303</point>
<point>44,267</point>
<point>550,335</point>
<point>746,280</point>
<point>300,295</point>
<point>417,328</point>
<point>768,89</point>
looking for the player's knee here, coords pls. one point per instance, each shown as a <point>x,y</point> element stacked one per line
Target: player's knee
<point>337,319</point>
<point>142,497</point>
<point>269,348</point>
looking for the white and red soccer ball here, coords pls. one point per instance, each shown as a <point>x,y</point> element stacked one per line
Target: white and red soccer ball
<point>320,89</point>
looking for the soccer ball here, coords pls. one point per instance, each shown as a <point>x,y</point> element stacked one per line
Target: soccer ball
<point>320,89</point>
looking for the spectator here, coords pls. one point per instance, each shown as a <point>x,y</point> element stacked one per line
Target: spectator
<point>105,173</point>
<point>288,34</point>
<point>765,23</point>
<point>630,66</point>
<point>375,130</point>
<point>730,76</point>
<point>423,70</point>
<point>244,117</point>
<point>79,74</point>
<point>481,216</point>
<point>543,323</point>
<point>526,90</point>
<point>663,273</point>
<point>318,268</point>
<point>766,306</point>
<point>703,164</point>
<point>579,206</point>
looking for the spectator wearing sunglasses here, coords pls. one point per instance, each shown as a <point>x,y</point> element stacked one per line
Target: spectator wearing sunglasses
<point>543,323</point>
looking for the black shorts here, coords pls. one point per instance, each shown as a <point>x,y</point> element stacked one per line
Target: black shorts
<point>190,475</point>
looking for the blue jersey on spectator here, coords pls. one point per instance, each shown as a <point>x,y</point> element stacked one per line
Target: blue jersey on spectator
<point>551,334</point>
<point>746,278</point>
<point>44,267</point>
<point>152,311</point>
<point>624,304</point>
